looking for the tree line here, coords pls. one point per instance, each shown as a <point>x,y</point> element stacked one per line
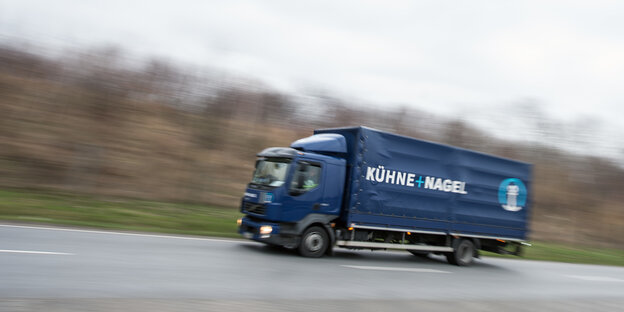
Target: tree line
<point>98,123</point>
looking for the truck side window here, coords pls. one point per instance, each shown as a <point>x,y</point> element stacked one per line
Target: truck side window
<point>307,177</point>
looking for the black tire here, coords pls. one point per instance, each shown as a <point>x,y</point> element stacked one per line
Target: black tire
<point>314,242</point>
<point>463,253</point>
<point>420,254</point>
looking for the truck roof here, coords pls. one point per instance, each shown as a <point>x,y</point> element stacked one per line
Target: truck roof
<point>364,129</point>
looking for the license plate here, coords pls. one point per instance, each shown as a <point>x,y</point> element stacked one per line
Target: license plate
<point>247,235</point>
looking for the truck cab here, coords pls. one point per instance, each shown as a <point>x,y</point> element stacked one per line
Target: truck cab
<point>294,189</point>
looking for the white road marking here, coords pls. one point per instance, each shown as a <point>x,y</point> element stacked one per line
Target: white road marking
<point>376,268</point>
<point>594,278</point>
<point>37,252</point>
<point>122,233</point>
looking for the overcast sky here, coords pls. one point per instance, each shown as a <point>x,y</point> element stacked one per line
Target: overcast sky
<point>471,59</point>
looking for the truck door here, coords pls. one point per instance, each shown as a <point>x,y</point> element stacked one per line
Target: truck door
<point>305,191</point>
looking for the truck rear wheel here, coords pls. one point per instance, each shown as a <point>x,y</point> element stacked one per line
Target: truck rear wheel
<point>463,253</point>
<point>314,242</point>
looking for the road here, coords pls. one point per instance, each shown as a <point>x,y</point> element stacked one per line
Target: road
<point>59,269</point>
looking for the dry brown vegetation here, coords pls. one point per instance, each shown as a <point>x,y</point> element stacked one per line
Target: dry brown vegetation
<point>94,123</point>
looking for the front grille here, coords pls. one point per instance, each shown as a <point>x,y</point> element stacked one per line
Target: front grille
<point>254,208</point>
<point>249,229</point>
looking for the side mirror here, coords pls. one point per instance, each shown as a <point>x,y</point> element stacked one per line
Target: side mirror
<point>300,181</point>
<point>303,167</point>
<point>296,192</point>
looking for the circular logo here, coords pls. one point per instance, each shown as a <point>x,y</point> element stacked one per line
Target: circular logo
<point>512,194</point>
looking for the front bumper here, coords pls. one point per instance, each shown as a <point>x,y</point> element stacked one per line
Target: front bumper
<point>250,229</point>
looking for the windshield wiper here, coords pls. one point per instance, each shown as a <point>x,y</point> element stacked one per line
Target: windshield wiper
<point>259,186</point>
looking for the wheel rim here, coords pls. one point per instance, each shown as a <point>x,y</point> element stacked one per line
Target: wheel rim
<point>313,242</point>
<point>464,253</point>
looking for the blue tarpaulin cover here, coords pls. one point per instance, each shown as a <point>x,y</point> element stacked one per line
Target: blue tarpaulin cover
<point>401,182</point>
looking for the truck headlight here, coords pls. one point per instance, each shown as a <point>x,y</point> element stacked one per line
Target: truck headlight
<point>239,221</point>
<point>266,229</point>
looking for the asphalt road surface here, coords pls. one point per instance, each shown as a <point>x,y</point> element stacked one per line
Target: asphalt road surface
<point>59,269</point>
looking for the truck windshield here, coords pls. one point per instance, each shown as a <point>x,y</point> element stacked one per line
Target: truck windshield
<point>271,172</point>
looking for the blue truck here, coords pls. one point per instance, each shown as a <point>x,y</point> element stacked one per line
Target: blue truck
<point>362,188</point>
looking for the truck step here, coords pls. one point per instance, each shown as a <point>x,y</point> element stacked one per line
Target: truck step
<point>357,244</point>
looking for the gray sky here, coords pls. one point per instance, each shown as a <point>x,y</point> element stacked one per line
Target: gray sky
<point>469,59</point>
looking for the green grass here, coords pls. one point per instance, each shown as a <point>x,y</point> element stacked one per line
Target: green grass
<point>121,214</point>
<point>150,216</point>
<point>563,253</point>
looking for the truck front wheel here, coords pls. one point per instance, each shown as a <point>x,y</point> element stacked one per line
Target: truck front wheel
<point>463,253</point>
<point>314,242</point>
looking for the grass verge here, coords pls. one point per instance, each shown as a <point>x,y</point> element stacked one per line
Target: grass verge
<point>564,253</point>
<point>177,218</point>
<point>120,214</point>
